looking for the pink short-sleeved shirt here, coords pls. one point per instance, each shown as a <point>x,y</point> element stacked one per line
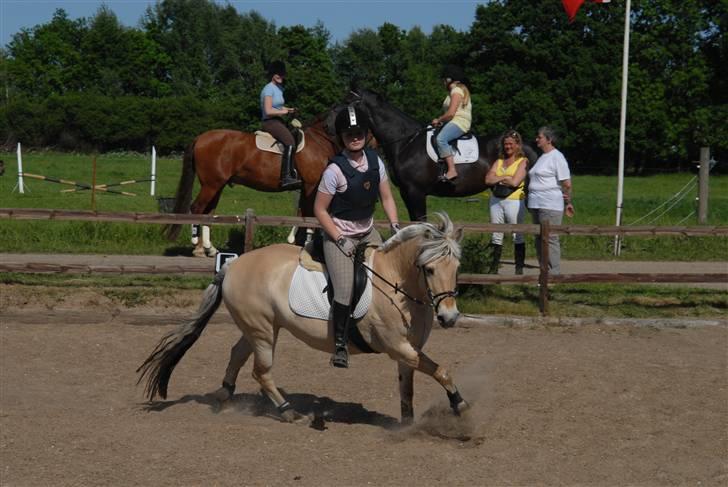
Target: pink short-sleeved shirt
<point>333,181</point>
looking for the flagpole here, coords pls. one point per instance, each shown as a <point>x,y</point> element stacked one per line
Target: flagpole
<point>622,126</point>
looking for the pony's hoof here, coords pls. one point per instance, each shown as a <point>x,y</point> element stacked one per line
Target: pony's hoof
<point>293,416</point>
<point>210,251</point>
<point>198,252</point>
<point>460,408</point>
<point>221,395</point>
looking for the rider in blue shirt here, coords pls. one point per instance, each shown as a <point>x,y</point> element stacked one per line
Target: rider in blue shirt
<point>272,107</point>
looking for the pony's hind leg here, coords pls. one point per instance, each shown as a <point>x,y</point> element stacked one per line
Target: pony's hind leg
<point>262,366</point>
<point>239,354</point>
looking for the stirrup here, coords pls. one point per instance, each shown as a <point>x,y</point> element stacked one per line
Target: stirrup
<point>340,358</point>
<point>291,183</point>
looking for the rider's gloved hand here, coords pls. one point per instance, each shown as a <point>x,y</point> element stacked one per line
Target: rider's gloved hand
<point>394,227</point>
<point>346,245</point>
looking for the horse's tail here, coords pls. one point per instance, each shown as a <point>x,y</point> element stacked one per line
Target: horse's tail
<point>158,367</point>
<point>183,198</point>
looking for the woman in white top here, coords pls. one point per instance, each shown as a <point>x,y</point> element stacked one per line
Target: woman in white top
<point>549,193</point>
<point>457,117</point>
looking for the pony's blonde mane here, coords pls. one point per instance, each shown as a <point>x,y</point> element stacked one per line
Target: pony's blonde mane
<point>435,240</point>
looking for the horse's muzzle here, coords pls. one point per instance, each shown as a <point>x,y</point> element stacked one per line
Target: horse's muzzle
<point>447,317</point>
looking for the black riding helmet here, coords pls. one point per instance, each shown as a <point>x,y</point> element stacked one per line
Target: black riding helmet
<point>276,67</point>
<point>350,117</point>
<point>454,73</point>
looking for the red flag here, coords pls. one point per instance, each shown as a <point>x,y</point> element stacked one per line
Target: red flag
<point>572,6</point>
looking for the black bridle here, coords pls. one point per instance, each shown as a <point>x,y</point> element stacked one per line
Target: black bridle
<point>410,137</point>
<point>435,299</point>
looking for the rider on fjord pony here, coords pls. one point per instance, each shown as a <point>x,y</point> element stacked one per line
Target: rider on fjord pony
<point>272,107</point>
<point>350,186</point>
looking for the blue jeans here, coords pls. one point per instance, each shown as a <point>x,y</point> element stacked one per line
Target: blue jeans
<point>449,132</point>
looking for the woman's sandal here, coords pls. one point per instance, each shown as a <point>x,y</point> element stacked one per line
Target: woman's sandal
<point>445,179</point>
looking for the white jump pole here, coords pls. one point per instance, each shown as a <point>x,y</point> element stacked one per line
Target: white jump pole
<point>21,189</point>
<point>154,171</point>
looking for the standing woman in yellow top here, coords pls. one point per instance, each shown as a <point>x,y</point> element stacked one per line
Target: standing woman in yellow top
<point>508,199</point>
<point>457,117</point>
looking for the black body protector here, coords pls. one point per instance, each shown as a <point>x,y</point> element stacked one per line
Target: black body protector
<point>362,189</point>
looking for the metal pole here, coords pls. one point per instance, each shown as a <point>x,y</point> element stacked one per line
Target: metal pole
<point>154,171</point>
<point>93,186</point>
<point>622,126</point>
<point>703,175</point>
<point>21,188</point>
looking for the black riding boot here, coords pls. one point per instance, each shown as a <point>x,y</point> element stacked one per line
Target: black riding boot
<point>495,258</point>
<point>288,176</point>
<point>341,315</point>
<point>520,253</point>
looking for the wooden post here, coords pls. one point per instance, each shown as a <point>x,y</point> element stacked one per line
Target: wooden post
<point>703,174</point>
<point>249,230</point>
<point>543,276</point>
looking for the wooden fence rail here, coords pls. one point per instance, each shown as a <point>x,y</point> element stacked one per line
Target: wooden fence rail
<point>250,220</point>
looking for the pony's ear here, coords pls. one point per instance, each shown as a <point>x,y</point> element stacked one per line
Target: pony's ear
<point>459,234</point>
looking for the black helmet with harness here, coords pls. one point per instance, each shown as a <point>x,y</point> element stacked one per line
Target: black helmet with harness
<point>454,73</point>
<point>276,67</point>
<point>351,117</point>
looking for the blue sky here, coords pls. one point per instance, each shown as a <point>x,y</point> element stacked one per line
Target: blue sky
<point>340,17</point>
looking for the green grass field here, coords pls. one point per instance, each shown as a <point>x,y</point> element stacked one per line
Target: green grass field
<point>594,198</point>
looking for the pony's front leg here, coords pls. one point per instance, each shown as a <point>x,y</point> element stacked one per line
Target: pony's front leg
<point>426,365</point>
<point>406,392</point>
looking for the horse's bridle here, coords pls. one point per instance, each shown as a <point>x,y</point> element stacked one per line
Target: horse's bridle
<point>435,299</point>
<point>410,137</point>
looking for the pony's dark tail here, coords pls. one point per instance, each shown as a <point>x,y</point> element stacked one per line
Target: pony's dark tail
<point>158,367</point>
<point>183,198</point>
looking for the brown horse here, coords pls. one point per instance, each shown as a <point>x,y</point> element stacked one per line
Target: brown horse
<point>422,260</point>
<point>221,157</point>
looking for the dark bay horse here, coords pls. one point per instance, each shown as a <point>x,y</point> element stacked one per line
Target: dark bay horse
<point>422,259</point>
<point>220,157</point>
<point>402,138</point>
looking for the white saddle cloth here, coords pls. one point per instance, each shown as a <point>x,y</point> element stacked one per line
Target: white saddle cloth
<point>266,142</point>
<point>467,152</point>
<point>307,296</point>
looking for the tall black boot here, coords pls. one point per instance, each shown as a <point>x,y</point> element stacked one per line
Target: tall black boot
<point>495,258</point>
<point>288,177</point>
<point>520,253</point>
<point>341,317</point>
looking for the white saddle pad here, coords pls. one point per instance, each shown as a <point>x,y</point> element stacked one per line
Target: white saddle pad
<point>307,295</point>
<point>266,142</point>
<point>467,152</point>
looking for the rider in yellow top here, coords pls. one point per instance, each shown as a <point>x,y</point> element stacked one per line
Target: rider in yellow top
<point>457,117</point>
<point>507,202</point>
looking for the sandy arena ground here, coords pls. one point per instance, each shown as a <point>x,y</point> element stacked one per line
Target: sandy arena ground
<point>595,404</point>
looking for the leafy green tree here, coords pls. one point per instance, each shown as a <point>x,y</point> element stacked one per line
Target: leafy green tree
<point>47,59</point>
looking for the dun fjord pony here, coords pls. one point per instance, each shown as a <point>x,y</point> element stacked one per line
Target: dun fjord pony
<point>403,140</point>
<point>221,157</point>
<point>422,260</point>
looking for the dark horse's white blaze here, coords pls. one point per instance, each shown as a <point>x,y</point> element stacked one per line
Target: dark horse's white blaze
<point>403,140</point>
<point>422,259</point>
